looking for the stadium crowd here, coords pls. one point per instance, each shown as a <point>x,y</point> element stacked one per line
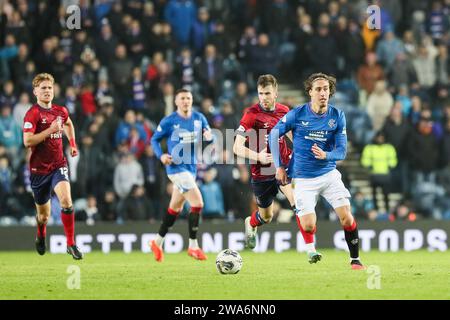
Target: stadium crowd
<point>117,74</point>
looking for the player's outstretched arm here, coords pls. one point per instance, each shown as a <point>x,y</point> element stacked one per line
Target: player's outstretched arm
<point>340,149</point>
<point>242,151</point>
<point>69,130</point>
<point>283,126</point>
<point>31,139</point>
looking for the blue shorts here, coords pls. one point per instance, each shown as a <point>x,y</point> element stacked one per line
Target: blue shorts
<point>43,186</point>
<point>264,192</point>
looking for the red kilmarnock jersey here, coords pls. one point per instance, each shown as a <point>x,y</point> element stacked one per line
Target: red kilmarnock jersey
<point>262,121</point>
<point>47,155</point>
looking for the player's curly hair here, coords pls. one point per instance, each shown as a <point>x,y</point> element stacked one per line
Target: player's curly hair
<point>316,76</point>
<point>42,77</point>
<point>267,80</point>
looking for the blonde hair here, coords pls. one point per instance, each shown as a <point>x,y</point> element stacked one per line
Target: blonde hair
<point>42,77</point>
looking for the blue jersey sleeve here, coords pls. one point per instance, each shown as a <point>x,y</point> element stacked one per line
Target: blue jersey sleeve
<point>283,126</point>
<point>160,133</point>
<point>340,142</point>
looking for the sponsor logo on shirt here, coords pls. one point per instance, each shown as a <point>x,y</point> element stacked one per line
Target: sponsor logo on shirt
<point>57,135</point>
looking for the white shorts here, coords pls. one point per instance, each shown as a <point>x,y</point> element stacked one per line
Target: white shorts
<point>329,186</point>
<point>183,181</point>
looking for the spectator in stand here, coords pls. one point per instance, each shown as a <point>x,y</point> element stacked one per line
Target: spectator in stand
<point>137,206</point>
<point>10,135</point>
<point>425,66</point>
<point>7,96</point>
<point>379,105</point>
<point>242,98</point>
<point>263,58</point>
<point>388,48</point>
<point>397,130</point>
<point>367,75</point>
<point>127,173</point>
<point>184,69</point>
<point>120,74</point>
<point>423,150</point>
<point>90,213</point>
<point>136,145</point>
<point>138,97</point>
<point>380,157</point>
<point>202,29</point>
<point>108,206</point>
<point>181,15</point>
<point>437,21</point>
<point>106,44</point>
<point>212,196</point>
<point>362,207</point>
<point>323,51</point>
<point>209,73</point>
<point>21,108</point>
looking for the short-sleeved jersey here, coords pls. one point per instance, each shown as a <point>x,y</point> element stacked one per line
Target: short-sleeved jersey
<point>183,137</point>
<point>328,131</point>
<point>47,155</point>
<point>256,125</point>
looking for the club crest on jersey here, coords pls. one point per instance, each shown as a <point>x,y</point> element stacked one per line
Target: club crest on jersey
<point>332,123</point>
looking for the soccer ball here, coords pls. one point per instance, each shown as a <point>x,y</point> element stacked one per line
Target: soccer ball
<point>228,261</point>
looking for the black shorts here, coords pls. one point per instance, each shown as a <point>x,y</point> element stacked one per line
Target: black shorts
<point>265,191</point>
<point>43,186</point>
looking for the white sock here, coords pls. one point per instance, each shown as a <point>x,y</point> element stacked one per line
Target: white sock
<point>353,259</point>
<point>159,240</point>
<point>193,243</point>
<point>310,247</point>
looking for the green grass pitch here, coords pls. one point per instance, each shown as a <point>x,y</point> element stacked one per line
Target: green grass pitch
<point>264,276</point>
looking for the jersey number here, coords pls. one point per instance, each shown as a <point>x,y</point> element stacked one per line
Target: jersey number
<point>64,172</point>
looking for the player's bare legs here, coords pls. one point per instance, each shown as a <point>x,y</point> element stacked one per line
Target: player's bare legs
<point>42,216</point>
<point>307,225</point>
<point>62,191</point>
<point>351,235</point>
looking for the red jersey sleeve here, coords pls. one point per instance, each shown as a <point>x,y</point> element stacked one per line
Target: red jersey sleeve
<point>65,114</point>
<point>30,121</point>
<point>246,123</point>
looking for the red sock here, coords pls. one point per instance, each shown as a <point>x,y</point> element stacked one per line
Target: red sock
<point>256,220</point>
<point>68,220</point>
<point>41,230</point>
<point>308,236</point>
<point>352,227</point>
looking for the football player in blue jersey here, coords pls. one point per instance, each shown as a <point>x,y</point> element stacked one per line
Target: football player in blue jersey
<point>319,139</point>
<point>184,129</point>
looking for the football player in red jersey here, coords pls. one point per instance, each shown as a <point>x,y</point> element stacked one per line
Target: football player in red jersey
<point>42,132</point>
<point>251,143</point>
